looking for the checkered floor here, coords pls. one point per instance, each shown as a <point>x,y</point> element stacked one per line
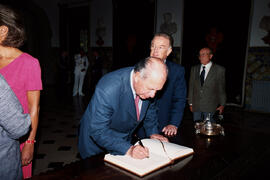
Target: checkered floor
<point>57,133</point>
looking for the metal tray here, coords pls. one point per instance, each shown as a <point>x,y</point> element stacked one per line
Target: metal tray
<point>209,129</point>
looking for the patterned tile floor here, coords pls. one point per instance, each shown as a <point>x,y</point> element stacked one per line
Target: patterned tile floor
<point>57,133</point>
<point>59,119</point>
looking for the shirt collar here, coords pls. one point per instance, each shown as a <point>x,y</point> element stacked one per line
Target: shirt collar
<point>207,66</point>
<point>131,83</point>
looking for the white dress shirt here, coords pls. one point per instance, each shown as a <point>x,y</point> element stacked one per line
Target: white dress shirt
<point>207,69</point>
<point>133,91</point>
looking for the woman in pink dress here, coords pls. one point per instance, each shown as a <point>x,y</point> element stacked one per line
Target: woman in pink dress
<point>23,74</point>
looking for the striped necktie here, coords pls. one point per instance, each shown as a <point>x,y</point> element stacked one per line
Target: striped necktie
<point>202,76</point>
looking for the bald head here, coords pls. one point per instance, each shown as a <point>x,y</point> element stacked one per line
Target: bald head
<point>149,76</point>
<point>151,65</point>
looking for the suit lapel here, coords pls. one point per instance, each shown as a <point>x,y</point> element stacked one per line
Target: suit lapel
<point>132,109</point>
<point>131,105</point>
<point>130,102</point>
<point>143,109</point>
<point>129,98</point>
<point>210,73</point>
<point>197,72</point>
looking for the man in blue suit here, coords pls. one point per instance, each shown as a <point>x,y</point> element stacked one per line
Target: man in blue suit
<point>110,118</point>
<point>171,100</point>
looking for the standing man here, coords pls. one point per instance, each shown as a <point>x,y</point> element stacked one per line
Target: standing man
<point>206,87</point>
<point>172,98</point>
<point>81,66</point>
<point>112,115</point>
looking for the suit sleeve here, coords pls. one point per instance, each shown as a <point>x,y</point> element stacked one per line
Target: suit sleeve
<point>222,89</point>
<point>150,123</point>
<point>179,98</point>
<point>106,137</point>
<point>12,120</point>
<point>190,88</point>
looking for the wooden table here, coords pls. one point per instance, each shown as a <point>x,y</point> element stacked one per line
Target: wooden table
<point>240,154</point>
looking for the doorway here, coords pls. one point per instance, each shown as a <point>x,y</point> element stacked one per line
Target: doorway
<point>74,23</point>
<point>133,28</point>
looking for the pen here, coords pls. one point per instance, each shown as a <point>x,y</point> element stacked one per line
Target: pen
<point>139,140</point>
<point>141,144</point>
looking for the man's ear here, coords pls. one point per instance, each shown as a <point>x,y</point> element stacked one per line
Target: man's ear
<point>169,51</point>
<point>136,76</point>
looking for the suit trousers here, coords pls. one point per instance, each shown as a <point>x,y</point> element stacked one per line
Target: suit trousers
<point>201,116</point>
<point>78,82</point>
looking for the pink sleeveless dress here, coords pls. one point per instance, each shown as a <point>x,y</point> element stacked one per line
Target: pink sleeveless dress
<point>23,74</point>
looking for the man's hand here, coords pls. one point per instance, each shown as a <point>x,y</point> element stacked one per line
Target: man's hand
<point>220,109</point>
<point>138,152</point>
<point>190,108</point>
<point>159,137</point>
<point>170,130</point>
<point>27,154</point>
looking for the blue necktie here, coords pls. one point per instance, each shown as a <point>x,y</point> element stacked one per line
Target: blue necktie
<point>202,76</point>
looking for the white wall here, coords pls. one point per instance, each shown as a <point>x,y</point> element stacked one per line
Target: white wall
<point>260,9</point>
<point>101,9</point>
<point>176,8</point>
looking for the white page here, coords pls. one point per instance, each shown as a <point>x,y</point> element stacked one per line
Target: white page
<point>157,157</point>
<point>173,150</point>
<point>140,166</point>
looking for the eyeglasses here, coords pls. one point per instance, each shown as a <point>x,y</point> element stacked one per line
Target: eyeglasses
<point>159,48</point>
<point>204,54</point>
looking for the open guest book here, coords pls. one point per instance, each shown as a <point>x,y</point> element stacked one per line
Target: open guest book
<point>161,154</point>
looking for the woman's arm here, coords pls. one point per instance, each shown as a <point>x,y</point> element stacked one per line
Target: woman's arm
<point>33,105</point>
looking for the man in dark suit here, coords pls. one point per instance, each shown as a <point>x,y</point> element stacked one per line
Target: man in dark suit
<point>206,87</point>
<point>172,98</point>
<point>111,116</point>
